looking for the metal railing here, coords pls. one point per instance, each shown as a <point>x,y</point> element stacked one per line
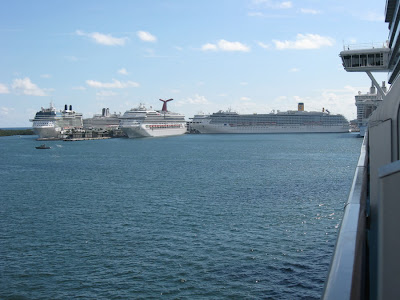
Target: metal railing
<point>365,46</point>
<point>347,274</point>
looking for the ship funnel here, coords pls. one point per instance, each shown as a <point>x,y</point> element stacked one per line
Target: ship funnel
<point>164,107</point>
<point>372,90</point>
<point>70,107</point>
<point>384,88</point>
<point>300,106</point>
<point>66,107</point>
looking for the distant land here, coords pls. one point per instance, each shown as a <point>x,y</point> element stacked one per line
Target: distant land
<point>16,131</point>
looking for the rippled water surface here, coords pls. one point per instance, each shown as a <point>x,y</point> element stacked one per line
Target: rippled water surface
<point>188,217</point>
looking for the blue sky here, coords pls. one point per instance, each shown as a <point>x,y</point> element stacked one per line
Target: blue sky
<point>245,55</point>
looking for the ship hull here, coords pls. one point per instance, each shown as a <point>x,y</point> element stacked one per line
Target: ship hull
<point>213,128</point>
<point>153,131</point>
<point>47,132</point>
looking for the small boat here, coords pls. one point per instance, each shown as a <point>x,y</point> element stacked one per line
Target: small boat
<point>43,147</point>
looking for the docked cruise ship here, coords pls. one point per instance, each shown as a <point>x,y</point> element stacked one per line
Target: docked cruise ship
<point>105,120</point>
<point>143,122</point>
<point>366,104</point>
<point>280,122</point>
<point>51,124</point>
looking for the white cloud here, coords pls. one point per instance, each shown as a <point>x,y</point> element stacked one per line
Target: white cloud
<point>27,87</point>
<point>293,70</point>
<point>195,100</point>
<point>71,58</point>
<point>5,110</point>
<point>310,11</point>
<point>103,94</point>
<point>79,88</point>
<point>208,46</point>
<point>274,4</point>
<point>4,89</point>
<point>244,83</point>
<point>123,71</point>
<point>224,45</point>
<point>284,5</point>
<point>146,36</point>
<point>45,76</point>
<point>245,99</point>
<point>232,46</point>
<point>373,17</point>
<point>255,14</point>
<point>262,45</point>
<point>305,41</point>
<point>116,84</point>
<point>103,39</point>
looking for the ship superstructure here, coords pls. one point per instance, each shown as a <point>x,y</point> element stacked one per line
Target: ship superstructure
<point>366,104</point>
<point>143,122</point>
<point>279,122</point>
<point>105,120</point>
<point>51,124</point>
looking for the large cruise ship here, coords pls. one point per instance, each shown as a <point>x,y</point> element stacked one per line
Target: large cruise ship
<point>366,104</point>
<point>366,262</point>
<point>51,124</point>
<point>143,122</point>
<point>105,120</point>
<point>280,122</point>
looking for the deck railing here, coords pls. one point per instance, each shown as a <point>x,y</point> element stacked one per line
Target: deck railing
<point>347,274</point>
<point>365,46</point>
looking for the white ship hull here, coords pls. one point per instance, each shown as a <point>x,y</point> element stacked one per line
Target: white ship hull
<point>221,128</point>
<point>156,130</point>
<point>46,131</point>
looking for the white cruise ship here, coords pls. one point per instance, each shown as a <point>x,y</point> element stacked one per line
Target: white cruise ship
<point>366,104</point>
<point>51,124</point>
<point>280,122</point>
<point>104,121</point>
<point>143,122</point>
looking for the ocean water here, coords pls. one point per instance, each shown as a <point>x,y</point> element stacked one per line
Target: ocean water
<point>188,217</point>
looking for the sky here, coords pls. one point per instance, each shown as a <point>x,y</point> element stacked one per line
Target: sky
<point>249,56</point>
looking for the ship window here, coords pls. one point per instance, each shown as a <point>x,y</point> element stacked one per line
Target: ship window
<point>371,61</point>
<point>346,61</point>
<point>363,60</point>
<point>355,61</point>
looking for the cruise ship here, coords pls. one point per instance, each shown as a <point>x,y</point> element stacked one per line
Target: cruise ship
<point>366,104</point>
<point>143,122</point>
<point>105,120</point>
<point>51,124</point>
<point>281,122</point>
<point>366,261</point>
